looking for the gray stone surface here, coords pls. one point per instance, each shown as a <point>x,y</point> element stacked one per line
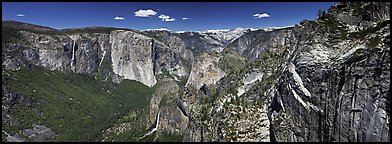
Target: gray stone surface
<point>322,80</point>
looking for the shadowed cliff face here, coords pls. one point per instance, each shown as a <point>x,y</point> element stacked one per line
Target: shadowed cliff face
<point>254,43</point>
<point>341,102</point>
<point>321,80</point>
<point>334,90</point>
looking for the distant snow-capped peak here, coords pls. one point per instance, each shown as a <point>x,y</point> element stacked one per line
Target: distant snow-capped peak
<point>275,28</point>
<point>223,36</point>
<point>159,29</point>
<point>227,35</point>
<point>215,31</point>
<point>236,31</point>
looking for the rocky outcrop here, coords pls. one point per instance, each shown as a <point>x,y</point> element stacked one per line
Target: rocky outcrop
<point>173,41</point>
<point>248,81</point>
<point>246,124</point>
<point>333,91</point>
<point>253,43</point>
<point>39,133</point>
<point>360,16</point>
<point>9,99</point>
<point>204,71</point>
<point>164,101</point>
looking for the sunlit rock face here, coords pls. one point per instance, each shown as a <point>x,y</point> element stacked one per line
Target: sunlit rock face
<point>131,56</point>
<point>321,80</point>
<point>205,71</point>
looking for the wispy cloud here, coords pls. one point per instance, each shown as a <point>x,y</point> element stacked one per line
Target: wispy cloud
<point>119,18</point>
<point>162,16</point>
<point>184,18</point>
<point>20,15</point>
<point>169,19</point>
<point>145,13</point>
<point>166,18</point>
<point>263,15</point>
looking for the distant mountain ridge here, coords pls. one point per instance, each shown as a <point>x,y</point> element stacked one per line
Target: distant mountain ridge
<point>22,25</point>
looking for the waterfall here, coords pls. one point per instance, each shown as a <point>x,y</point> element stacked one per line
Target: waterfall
<point>103,56</point>
<point>154,129</point>
<point>100,63</point>
<point>73,53</point>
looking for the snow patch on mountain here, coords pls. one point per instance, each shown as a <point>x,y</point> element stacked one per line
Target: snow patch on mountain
<point>158,29</point>
<point>274,28</point>
<point>227,36</point>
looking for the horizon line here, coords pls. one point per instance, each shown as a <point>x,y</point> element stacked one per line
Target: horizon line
<point>157,29</point>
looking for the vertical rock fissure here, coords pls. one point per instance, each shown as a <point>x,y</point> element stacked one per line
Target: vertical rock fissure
<point>335,117</point>
<point>349,122</point>
<point>319,115</point>
<point>153,57</point>
<point>353,110</point>
<point>327,136</point>
<point>342,78</point>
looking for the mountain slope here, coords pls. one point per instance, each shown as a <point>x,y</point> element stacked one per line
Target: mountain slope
<point>75,107</point>
<point>321,80</point>
<point>227,36</point>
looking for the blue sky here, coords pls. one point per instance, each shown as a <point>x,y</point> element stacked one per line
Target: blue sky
<point>200,15</point>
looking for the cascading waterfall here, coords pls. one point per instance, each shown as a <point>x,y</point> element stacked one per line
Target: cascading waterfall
<point>100,63</point>
<point>73,53</point>
<point>154,129</point>
<point>103,56</point>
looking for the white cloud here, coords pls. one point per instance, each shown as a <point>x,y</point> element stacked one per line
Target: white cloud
<point>20,15</point>
<point>119,18</point>
<point>184,18</point>
<point>162,16</point>
<point>263,15</point>
<point>166,18</point>
<point>169,19</point>
<point>145,13</point>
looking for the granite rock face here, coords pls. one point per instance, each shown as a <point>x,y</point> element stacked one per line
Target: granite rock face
<point>343,101</point>
<point>204,71</point>
<point>116,55</point>
<point>253,43</point>
<point>361,15</point>
<point>321,80</point>
<point>334,90</point>
<point>328,82</point>
<point>131,56</point>
<point>38,133</point>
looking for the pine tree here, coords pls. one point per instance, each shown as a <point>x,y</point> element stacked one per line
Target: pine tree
<point>320,13</point>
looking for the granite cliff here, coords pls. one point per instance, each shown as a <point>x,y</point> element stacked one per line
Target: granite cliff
<point>320,80</point>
